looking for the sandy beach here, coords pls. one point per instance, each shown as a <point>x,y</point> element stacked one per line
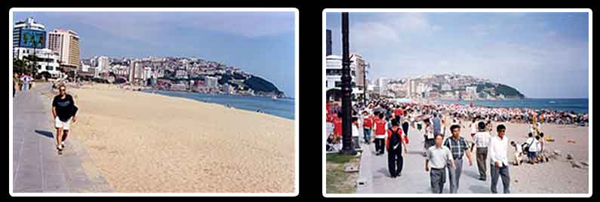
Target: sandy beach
<point>558,175</point>
<point>143,142</point>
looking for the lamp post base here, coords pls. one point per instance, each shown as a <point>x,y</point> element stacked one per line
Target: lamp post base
<point>350,151</point>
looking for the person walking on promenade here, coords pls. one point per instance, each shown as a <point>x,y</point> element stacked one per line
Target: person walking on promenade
<point>482,140</point>
<point>355,133</point>
<point>64,111</point>
<point>439,156</point>
<point>15,83</point>
<point>437,124</point>
<point>473,128</point>
<point>380,129</point>
<point>367,126</point>
<point>428,136</point>
<point>394,145</point>
<point>458,146</point>
<point>499,161</point>
<point>405,127</point>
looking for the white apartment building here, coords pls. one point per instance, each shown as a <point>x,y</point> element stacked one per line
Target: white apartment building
<point>333,72</point>
<point>66,43</point>
<point>47,60</point>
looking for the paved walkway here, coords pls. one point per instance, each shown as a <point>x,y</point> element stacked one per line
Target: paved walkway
<point>376,177</point>
<point>36,165</point>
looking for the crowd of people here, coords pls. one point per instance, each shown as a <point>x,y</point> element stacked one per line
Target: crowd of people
<point>21,82</point>
<point>386,124</point>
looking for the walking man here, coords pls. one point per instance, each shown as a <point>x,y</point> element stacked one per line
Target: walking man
<point>380,129</point>
<point>63,111</point>
<point>439,156</point>
<point>458,146</point>
<point>394,145</point>
<point>367,126</point>
<point>482,139</point>
<point>499,160</point>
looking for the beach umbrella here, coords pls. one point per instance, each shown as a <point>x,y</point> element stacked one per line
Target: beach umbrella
<point>423,117</point>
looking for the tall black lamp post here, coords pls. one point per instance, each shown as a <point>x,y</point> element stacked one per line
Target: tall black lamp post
<point>346,91</point>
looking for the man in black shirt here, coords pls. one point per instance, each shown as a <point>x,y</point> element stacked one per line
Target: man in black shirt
<point>63,111</point>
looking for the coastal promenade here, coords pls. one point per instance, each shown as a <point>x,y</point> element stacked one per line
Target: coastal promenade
<point>414,180</point>
<point>525,179</point>
<point>36,166</point>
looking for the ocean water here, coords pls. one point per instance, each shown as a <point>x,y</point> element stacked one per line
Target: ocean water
<point>560,104</point>
<point>281,107</point>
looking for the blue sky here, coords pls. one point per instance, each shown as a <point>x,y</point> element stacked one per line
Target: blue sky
<point>543,55</point>
<point>261,43</point>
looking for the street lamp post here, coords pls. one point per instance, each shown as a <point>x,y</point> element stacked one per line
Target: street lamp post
<point>346,91</point>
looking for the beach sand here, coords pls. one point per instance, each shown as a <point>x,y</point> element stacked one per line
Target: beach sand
<point>556,176</point>
<point>143,142</point>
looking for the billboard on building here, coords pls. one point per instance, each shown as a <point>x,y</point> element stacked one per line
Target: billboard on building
<point>33,38</point>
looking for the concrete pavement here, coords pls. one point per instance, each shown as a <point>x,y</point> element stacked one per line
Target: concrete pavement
<point>374,176</point>
<point>36,165</point>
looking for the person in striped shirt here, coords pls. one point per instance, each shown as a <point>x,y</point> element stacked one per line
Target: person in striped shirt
<point>458,146</point>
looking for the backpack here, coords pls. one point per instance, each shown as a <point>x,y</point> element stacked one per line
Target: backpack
<point>395,139</point>
<point>525,147</point>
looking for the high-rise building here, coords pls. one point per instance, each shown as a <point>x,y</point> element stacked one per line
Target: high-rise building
<point>358,64</point>
<point>29,38</point>
<point>26,32</point>
<point>328,42</point>
<point>66,43</point>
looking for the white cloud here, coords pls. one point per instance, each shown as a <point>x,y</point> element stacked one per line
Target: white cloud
<point>389,29</point>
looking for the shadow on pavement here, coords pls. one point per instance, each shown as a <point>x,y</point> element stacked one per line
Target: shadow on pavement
<point>385,172</point>
<point>473,174</point>
<point>479,189</point>
<point>45,133</point>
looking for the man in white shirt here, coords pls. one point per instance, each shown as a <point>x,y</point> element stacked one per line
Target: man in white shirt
<point>481,142</point>
<point>438,156</point>
<point>355,133</point>
<point>499,161</point>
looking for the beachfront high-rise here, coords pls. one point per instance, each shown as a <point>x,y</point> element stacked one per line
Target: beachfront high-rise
<point>29,38</point>
<point>66,43</point>
<point>359,66</point>
<point>28,26</point>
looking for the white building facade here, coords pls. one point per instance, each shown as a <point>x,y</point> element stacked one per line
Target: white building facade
<point>333,72</point>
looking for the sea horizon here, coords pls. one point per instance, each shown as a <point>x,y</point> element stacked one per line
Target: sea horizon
<point>283,108</point>
<point>578,105</point>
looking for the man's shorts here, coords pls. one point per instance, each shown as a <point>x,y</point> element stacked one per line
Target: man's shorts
<point>60,124</point>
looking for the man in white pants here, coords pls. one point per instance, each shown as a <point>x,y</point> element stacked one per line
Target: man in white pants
<point>63,111</point>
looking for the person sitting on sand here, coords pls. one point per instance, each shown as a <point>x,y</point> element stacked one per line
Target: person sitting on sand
<point>63,111</point>
<point>518,153</point>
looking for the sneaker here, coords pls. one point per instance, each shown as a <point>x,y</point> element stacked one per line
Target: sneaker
<point>59,148</point>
